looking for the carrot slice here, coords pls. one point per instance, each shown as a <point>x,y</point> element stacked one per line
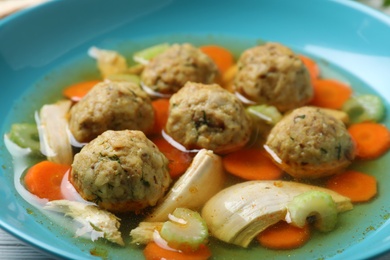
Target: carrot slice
<point>284,236</point>
<point>222,57</point>
<point>311,66</point>
<point>251,164</point>
<point>372,139</point>
<point>357,186</point>
<point>330,93</point>
<point>154,252</point>
<point>77,91</point>
<point>178,161</point>
<point>44,179</point>
<point>161,112</point>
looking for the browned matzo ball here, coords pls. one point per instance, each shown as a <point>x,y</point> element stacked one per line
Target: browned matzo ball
<point>208,116</point>
<point>169,71</point>
<point>308,143</point>
<point>111,106</point>
<point>272,74</point>
<point>121,171</point>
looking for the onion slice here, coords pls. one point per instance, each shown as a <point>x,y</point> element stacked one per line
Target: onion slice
<point>237,214</point>
<point>52,127</point>
<point>203,179</point>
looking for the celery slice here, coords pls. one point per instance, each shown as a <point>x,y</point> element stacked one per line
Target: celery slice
<point>186,230</point>
<point>313,203</point>
<point>143,56</point>
<point>364,108</point>
<point>26,136</point>
<point>269,114</point>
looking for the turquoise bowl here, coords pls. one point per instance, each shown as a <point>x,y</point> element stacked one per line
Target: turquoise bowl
<point>44,49</point>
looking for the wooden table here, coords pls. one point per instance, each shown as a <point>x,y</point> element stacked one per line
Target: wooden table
<point>13,249</point>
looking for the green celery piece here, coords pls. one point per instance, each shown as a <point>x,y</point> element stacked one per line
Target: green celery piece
<point>143,56</point>
<point>186,235</point>
<point>364,108</point>
<point>313,203</point>
<point>269,114</point>
<point>25,135</point>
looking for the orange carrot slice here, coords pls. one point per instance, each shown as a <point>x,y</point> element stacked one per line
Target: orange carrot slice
<point>311,66</point>
<point>77,91</point>
<point>44,179</point>
<point>330,93</point>
<point>284,236</point>
<point>372,139</point>
<point>357,186</point>
<point>161,112</point>
<point>178,161</point>
<point>251,164</point>
<point>222,57</point>
<point>154,252</point>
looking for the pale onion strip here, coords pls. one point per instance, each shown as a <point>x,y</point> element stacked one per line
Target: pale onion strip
<point>237,214</point>
<point>52,126</point>
<point>176,144</point>
<point>153,93</point>
<point>204,178</point>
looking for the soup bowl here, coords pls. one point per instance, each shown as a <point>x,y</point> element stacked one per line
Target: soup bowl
<point>45,49</point>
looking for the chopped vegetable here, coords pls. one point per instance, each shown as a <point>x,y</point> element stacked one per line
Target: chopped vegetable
<point>44,179</point>
<point>109,62</point>
<point>330,93</point>
<point>52,126</point>
<point>178,161</point>
<point>284,236</point>
<point>364,108</point>
<point>143,56</point>
<point>77,91</point>
<point>313,203</point>
<point>25,136</point>
<point>204,178</point>
<point>185,230</point>
<point>161,111</point>
<point>372,139</point>
<point>144,233</point>
<point>269,114</point>
<point>251,164</point>
<point>357,186</point>
<point>99,223</point>
<point>154,252</point>
<point>221,56</point>
<point>152,93</point>
<point>238,213</point>
<point>311,66</point>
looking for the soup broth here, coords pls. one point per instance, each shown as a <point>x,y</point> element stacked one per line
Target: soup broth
<point>353,226</point>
